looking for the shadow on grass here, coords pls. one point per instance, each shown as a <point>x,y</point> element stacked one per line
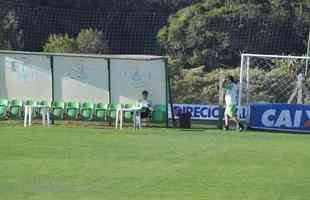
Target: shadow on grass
<point>278,132</point>
<point>192,130</point>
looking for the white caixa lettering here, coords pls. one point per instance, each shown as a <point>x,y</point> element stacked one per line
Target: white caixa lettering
<point>285,118</point>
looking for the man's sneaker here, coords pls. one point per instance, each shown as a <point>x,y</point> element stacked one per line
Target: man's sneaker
<point>226,128</point>
<point>241,127</point>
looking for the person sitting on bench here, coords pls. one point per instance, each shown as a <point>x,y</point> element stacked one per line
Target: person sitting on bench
<point>146,105</point>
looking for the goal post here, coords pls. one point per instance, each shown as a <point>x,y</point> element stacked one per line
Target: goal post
<point>276,80</point>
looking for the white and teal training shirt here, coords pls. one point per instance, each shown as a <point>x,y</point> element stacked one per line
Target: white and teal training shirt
<point>231,94</point>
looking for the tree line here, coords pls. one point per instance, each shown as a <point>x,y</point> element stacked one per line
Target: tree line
<point>111,5</point>
<point>201,37</point>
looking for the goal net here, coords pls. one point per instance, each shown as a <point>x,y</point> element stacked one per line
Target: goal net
<point>274,81</point>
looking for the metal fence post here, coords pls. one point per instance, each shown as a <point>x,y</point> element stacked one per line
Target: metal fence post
<point>53,83</point>
<point>221,101</point>
<point>110,96</point>
<point>308,54</point>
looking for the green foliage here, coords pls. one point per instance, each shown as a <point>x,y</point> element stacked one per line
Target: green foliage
<point>189,41</point>
<point>2,38</point>
<point>8,30</point>
<point>88,41</point>
<point>115,5</point>
<point>212,33</point>
<point>278,84</point>
<point>91,41</point>
<point>60,44</point>
<point>269,85</point>
<point>188,87</point>
<point>199,86</point>
<point>2,42</point>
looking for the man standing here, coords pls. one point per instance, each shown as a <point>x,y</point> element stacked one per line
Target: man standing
<point>230,89</point>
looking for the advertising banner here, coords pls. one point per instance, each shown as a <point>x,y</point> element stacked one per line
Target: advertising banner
<point>203,112</point>
<point>25,77</point>
<point>129,78</point>
<point>81,79</point>
<point>283,117</point>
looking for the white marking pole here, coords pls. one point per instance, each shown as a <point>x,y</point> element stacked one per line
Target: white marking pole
<point>240,82</point>
<point>247,79</point>
<point>308,54</point>
<point>247,90</point>
<point>240,86</point>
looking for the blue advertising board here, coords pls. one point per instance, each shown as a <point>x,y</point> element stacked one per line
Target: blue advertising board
<point>282,117</point>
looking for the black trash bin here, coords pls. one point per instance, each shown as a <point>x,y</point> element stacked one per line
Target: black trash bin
<point>185,119</point>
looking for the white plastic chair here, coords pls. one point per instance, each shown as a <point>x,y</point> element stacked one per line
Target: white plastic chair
<point>29,109</point>
<point>136,116</point>
<point>27,115</point>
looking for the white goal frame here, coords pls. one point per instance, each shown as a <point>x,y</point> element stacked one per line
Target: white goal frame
<point>244,84</point>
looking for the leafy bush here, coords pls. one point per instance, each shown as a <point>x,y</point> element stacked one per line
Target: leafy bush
<point>273,85</point>
<point>213,33</point>
<point>60,44</point>
<point>88,41</point>
<point>198,86</point>
<point>91,41</point>
<point>11,37</point>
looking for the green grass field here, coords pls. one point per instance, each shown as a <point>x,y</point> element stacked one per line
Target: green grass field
<point>94,163</point>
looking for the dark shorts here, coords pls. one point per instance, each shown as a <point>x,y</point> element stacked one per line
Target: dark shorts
<point>145,113</point>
